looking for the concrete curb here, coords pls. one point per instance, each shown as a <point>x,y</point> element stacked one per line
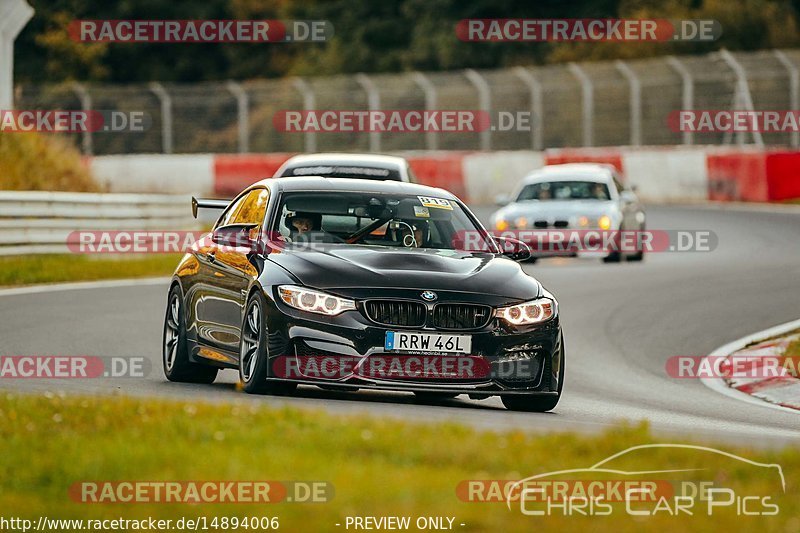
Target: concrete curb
<point>782,392</point>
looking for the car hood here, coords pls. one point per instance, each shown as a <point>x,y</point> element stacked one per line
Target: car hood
<point>556,209</point>
<point>347,266</point>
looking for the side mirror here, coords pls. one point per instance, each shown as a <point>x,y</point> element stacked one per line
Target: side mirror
<point>238,236</point>
<point>514,249</point>
<point>501,199</point>
<point>628,196</point>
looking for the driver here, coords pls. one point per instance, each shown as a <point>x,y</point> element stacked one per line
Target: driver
<point>417,236</point>
<point>303,222</point>
<point>544,193</point>
<point>599,191</point>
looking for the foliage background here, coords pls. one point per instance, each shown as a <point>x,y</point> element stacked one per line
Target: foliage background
<point>370,36</point>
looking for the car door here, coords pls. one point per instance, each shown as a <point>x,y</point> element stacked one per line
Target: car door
<point>229,272</point>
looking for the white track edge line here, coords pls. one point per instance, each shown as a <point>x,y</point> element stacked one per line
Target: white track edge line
<point>82,285</point>
<point>718,384</point>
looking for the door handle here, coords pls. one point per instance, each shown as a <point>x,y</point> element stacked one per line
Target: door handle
<point>211,256</point>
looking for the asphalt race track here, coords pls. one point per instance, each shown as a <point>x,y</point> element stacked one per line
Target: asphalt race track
<point>622,322</point>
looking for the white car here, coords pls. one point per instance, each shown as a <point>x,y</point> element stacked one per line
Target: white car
<point>575,196</point>
<point>359,166</point>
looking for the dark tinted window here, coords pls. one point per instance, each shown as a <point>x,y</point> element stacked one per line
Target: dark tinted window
<point>345,171</point>
<point>564,190</point>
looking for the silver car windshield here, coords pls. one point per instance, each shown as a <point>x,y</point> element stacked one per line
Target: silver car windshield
<point>564,190</point>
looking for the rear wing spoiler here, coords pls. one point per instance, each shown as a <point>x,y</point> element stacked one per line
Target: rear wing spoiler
<point>208,203</point>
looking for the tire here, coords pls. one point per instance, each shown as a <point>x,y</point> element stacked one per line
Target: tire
<point>175,348</point>
<point>616,256</point>
<point>638,256</point>
<point>537,404</point>
<point>434,396</point>
<point>254,363</point>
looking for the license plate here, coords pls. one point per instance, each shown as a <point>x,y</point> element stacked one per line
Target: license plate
<point>405,341</point>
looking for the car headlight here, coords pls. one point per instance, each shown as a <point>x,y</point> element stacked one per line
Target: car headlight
<point>314,301</point>
<point>501,224</point>
<point>532,312</point>
<point>603,222</point>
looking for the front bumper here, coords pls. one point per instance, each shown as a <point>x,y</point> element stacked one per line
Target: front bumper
<point>569,242</point>
<point>346,350</point>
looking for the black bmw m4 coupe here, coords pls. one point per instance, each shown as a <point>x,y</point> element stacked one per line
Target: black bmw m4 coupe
<point>354,284</point>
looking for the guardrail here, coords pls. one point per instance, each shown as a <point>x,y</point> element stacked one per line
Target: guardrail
<point>41,222</point>
<point>597,103</point>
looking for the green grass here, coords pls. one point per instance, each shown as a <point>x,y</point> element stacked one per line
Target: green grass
<point>793,352</point>
<point>25,270</point>
<point>378,467</point>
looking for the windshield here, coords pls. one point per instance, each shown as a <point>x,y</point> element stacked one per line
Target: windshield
<point>564,190</point>
<point>387,220</point>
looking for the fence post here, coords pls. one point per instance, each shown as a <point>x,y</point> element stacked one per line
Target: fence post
<point>587,90</point>
<point>374,104</point>
<point>635,101</point>
<point>243,114</point>
<point>794,90</point>
<point>14,15</point>
<point>535,88</point>
<point>431,138</point>
<point>485,103</point>
<point>87,146</point>
<point>687,93</point>
<point>309,102</point>
<point>166,116</point>
<point>742,91</point>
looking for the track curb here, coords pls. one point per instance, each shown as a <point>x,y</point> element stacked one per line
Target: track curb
<point>775,392</point>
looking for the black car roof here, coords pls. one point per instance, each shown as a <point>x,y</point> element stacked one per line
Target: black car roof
<point>318,183</point>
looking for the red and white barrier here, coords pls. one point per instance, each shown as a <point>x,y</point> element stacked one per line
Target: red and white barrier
<point>665,174</point>
<point>155,173</point>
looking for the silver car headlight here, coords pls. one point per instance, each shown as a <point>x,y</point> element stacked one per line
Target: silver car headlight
<point>313,301</point>
<point>604,222</point>
<point>532,312</point>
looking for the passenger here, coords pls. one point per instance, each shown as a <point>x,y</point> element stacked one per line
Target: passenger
<point>301,222</point>
<point>599,191</point>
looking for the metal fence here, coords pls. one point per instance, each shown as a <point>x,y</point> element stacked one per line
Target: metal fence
<point>39,222</point>
<point>578,104</point>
